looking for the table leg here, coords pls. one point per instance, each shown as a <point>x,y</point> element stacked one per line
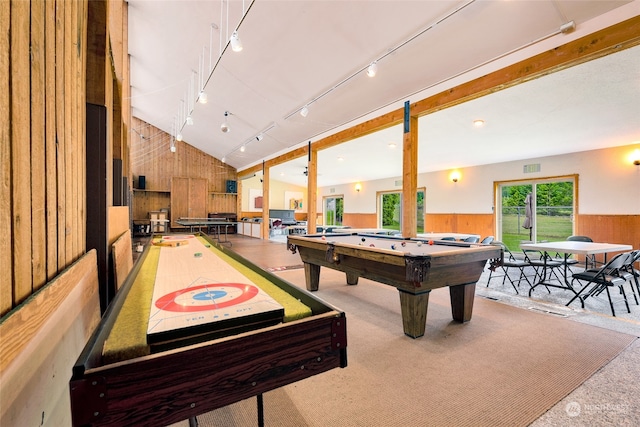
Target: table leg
<point>312,276</point>
<point>352,278</point>
<point>462,301</point>
<point>414,312</point>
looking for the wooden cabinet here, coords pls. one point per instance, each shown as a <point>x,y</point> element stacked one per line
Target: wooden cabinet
<point>188,199</point>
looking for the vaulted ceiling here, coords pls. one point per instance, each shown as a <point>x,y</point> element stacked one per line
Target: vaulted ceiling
<point>315,54</point>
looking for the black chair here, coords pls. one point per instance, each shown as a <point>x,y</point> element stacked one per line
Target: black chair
<point>630,274</point>
<point>472,239</point>
<point>487,240</point>
<point>543,263</point>
<point>601,279</point>
<point>508,262</point>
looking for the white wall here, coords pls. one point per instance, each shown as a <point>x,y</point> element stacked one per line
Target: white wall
<point>608,184</point>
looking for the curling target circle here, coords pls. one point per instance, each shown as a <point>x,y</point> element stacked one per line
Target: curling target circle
<point>206,297</point>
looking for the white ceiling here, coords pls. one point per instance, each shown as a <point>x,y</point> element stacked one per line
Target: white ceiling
<point>316,52</point>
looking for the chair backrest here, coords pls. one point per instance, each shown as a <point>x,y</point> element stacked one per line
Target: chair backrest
<point>580,239</point>
<point>448,238</point>
<point>616,263</point>
<point>507,253</point>
<point>487,240</point>
<point>472,239</point>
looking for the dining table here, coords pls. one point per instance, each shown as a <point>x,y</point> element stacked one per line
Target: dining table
<point>568,248</point>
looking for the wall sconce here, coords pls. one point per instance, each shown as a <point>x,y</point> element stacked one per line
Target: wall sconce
<point>635,157</point>
<point>358,187</point>
<point>454,176</point>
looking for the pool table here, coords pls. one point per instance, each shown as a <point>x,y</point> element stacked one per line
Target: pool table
<point>413,266</point>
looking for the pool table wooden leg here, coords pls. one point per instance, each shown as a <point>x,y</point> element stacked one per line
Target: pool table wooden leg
<point>352,278</point>
<point>414,312</point>
<point>462,301</point>
<point>312,276</point>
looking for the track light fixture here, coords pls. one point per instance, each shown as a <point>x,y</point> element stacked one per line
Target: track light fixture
<point>236,44</point>
<point>372,69</point>
<point>224,127</point>
<point>179,137</point>
<point>304,111</point>
<point>259,137</point>
<point>202,97</point>
<point>242,149</point>
<point>190,120</point>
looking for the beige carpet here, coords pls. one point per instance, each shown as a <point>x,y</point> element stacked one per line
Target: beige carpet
<point>504,368</point>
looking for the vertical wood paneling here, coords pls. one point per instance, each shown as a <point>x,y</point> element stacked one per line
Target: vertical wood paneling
<point>82,131</point>
<point>38,253</point>
<point>61,139</point>
<point>6,278</point>
<point>69,82</point>
<point>21,148</point>
<point>51,215</point>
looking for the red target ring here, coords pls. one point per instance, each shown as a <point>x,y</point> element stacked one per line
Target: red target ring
<point>168,302</point>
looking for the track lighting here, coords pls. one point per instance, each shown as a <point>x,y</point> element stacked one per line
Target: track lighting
<point>190,120</point>
<point>372,69</point>
<point>259,137</point>
<point>242,149</point>
<point>304,111</point>
<point>202,97</point>
<point>224,160</point>
<point>236,44</point>
<point>224,127</point>
<point>179,137</point>
<point>173,148</point>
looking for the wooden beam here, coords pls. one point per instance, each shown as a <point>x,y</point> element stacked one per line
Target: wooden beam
<point>601,43</point>
<point>410,177</point>
<point>312,190</point>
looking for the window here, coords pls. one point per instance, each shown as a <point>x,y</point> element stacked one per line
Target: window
<point>333,210</point>
<point>549,217</point>
<point>390,210</point>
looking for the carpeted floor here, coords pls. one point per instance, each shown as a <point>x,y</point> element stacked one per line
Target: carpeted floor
<point>507,367</point>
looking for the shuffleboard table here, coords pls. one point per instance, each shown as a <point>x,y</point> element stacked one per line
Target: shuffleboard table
<point>123,379</point>
<point>413,266</point>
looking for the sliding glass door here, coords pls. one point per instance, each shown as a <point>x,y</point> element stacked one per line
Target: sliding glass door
<point>535,211</point>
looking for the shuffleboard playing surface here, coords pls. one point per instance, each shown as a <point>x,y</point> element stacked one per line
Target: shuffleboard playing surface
<point>197,292</point>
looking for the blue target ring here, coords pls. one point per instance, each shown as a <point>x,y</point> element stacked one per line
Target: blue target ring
<point>209,295</point>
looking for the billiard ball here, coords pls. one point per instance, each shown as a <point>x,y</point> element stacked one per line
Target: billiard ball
<point>431,242</point>
<point>363,239</point>
<point>403,244</point>
<point>372,245</point>
<point>419,243</point>
<point>393,247</point>
<point>323,238</point>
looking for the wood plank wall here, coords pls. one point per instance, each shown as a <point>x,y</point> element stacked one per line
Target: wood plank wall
<point>42,116</point>
<point>152,158</point>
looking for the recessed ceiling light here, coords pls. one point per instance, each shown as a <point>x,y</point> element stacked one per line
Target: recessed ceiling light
<point>478,123</point>
<point>392,145</point>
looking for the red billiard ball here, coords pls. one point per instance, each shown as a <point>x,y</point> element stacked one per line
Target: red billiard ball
<point>403,244</point>
<point>431,242</point>
<point>323,238</point>
<point>372,245</point>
